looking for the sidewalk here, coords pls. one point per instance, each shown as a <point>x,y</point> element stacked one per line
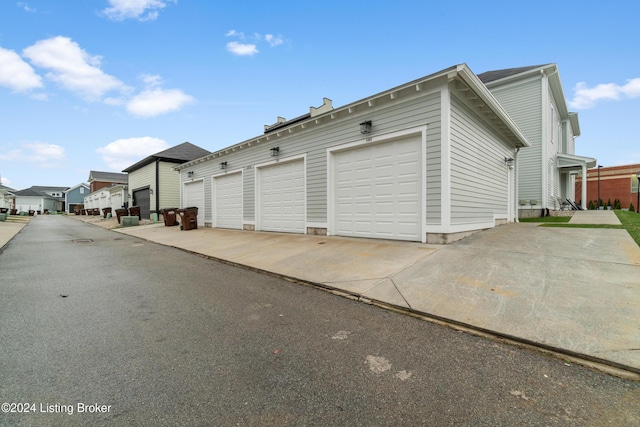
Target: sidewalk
<point>595,217</point>
<point>571,290</point>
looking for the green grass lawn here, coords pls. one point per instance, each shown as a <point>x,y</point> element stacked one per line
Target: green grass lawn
<point>547,219</point>
<point>630,221</point>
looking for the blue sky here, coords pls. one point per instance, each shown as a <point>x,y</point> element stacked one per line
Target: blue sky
<point>100,84</point>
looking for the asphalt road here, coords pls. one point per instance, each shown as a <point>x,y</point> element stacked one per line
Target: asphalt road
<point>99,328</point>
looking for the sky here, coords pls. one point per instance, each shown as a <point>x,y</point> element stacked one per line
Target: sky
<point>101,84</point>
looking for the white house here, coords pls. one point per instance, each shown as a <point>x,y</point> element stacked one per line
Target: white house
<point>7,197</point>
<point>534,98</point>
<point>40,199</point>
<point>428,161</point>
<point>154,184</point>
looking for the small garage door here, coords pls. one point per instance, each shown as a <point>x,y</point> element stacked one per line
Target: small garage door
<point>377,190</point>
<point>282,197</point>
<point>227,201</point>
<point>116,201</point>
<point>193,195</point>
<point>141,198</point>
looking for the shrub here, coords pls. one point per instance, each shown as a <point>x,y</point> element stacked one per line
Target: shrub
<point>631,207</point>
<point>592,206</point>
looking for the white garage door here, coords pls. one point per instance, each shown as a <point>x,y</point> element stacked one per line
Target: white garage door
<point>377,190</point>
<point>116,201</point>
<point>227,201</point>
<point>282,197</point>
<point>193,195</point>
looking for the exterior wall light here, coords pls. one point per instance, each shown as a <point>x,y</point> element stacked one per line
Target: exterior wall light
<point>223,165</point>
<point>509,161</point>
<point>365,127</point>
<point>275,151</point>
<point>190,174</point>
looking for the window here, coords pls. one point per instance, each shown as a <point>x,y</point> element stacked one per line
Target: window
<point>81,190</point>
<point>634,183</point>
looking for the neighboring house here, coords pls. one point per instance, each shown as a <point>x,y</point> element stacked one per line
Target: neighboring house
<point>153,184</point>
<point>534,98</point>
<point>615,182</point>
<point>98,199</point>
<point>98,180</point>
<point>427,161</point>
<point>99,187</point>
<point>40,199</point>
<point>75,196</point>
<point>7,197</point>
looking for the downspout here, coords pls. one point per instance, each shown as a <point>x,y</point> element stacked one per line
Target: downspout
<point>157,192</point>
<point>516,200</point>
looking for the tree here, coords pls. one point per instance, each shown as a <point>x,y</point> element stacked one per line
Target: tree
<point>592,206</point>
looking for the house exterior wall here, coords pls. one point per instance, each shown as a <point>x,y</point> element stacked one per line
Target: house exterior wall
<point>141,178</point>
<point>479,175</point>
<point>169,187</point>
<point>523,101</point>
<point>74,197</point>
<point>422,108</point>
<point>98,199</point>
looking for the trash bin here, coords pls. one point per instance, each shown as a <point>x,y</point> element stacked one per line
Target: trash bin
<point>170,216</point>
<point>135,211</point>
<point>96,211</point>
<point>32,212</point>
<point>188,218</point>
<point>106,211</point>
<point>120,213</point>
<point>4,210</point>
<point>14,211</point>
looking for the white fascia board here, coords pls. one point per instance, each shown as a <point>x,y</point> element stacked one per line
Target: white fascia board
<point>483,93</point>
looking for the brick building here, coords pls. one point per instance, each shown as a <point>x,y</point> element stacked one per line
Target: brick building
<point>616,182</point>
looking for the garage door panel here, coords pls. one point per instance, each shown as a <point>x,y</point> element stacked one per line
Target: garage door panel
<point>377,190</point>
<point>282,197</point>
<point>227,201</point>
<point>193,195</point>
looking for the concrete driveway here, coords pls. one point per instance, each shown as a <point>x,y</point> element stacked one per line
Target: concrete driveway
<point>575,290</point>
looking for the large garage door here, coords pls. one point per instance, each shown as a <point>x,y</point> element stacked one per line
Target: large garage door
<point>377,190</point>
<point>116,201</point>
<point>227,201</point>
<point>193,195</point>
<point>141,198</point>
<point>282,197</point>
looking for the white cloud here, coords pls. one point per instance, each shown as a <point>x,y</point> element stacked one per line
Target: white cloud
<point>122,153</point>
<point>273,40</point>
<point>156,101</point>
<point>16,74</point>
<point>142,10</point>
<point>26,7</point>
<point>250,49</point>
<point>586,97</point>
<point>242,49</point>
<point>44,155</point>
<point>72,67</point>
<point>234,33</point>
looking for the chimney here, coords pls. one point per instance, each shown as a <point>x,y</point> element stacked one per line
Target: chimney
<point>327,105</point>
<point>280,121</point>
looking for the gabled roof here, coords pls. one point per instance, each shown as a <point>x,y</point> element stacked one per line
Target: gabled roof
<point>461,73</point>
<point>7,189</point>
<point>489,76</point>
<point>498,77</point>
<point>40,191</point>
<point>119,178</point>
<point>82,184</point>
<point>179,154</point>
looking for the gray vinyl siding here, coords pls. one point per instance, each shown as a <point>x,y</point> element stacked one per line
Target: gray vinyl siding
<point>479,176</point>
<point>143,177</point>
<point>169,187</point>
<point>523,102</point>
<point>421,109</point>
